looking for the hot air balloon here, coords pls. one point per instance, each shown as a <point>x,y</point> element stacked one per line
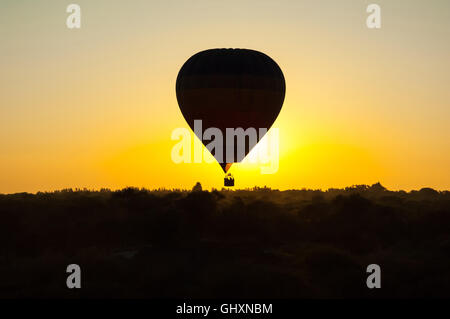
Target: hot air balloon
<point>230,88</point>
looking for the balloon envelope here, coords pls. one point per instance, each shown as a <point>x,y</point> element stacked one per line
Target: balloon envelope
<point>230,88</point>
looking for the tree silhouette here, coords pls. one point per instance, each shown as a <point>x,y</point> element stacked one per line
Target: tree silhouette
<point>197,187</point>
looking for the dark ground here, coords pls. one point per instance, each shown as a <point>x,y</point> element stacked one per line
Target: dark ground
<point>245,243</point>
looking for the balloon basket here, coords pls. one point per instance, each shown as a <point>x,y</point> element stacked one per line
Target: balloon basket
<point>228,181</point>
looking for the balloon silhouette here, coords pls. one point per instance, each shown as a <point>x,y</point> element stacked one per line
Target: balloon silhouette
<point>230,88</point>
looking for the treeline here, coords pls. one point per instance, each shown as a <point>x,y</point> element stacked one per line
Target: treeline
<point>244,243</point>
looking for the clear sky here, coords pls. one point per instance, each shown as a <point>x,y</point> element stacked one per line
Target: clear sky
<point>95,107</point>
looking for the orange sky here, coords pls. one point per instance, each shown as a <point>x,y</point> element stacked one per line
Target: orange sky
<point>95,107</point>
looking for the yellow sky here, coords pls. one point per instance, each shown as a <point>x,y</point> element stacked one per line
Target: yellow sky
<point>95,107</point>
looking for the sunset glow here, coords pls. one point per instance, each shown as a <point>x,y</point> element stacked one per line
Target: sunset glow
<point>95,107</point>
